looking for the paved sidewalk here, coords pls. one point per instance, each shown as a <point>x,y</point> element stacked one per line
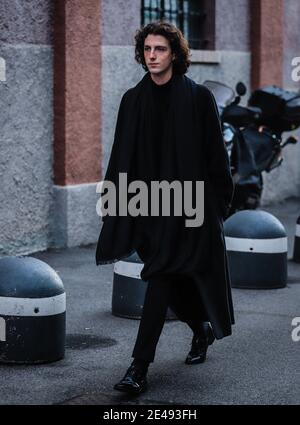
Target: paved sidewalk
<point>258,364</point>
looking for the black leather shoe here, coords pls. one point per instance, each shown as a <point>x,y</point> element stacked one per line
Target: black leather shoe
<point>134,381</point>
<point>200,345</point>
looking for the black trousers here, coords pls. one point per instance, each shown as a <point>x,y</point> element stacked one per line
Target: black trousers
<point>162,292</point>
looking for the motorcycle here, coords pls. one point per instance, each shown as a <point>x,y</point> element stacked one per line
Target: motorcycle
<point>253,135</point>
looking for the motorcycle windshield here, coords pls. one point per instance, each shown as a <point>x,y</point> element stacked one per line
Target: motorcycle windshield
<point>223,94</point>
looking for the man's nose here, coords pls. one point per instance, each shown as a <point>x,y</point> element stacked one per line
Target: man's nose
<point>152,53</point>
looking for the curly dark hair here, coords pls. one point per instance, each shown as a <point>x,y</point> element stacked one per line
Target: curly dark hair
<point>178,43</point>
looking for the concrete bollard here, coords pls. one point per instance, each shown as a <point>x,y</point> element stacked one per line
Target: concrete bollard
<point>256,245</point>
<point>129,289</point>
<point>32,312</point>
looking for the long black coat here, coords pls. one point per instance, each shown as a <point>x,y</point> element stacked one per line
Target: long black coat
<point>192,150</point>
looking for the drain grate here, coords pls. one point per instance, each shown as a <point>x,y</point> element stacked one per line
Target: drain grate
<point>83,341</point>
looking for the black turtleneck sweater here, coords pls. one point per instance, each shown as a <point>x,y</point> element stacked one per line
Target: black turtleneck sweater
<point>161,98</point>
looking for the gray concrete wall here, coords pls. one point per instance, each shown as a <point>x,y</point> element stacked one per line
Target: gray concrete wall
<point>120,20</point>
<point>73,218</point>
<point>233,25</point>
<point>232,68</point>
<point>26,125</point>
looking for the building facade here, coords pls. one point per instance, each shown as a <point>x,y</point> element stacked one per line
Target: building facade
<point>63,70</point>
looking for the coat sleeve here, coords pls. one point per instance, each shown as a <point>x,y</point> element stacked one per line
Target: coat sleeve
<point>218,164</point>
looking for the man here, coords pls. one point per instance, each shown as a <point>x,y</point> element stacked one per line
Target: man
<point>168,129</point>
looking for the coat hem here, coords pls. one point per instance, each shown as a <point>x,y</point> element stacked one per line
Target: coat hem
<point>103,262</point>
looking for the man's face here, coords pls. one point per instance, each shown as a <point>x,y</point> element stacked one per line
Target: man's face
<point>158,54</point>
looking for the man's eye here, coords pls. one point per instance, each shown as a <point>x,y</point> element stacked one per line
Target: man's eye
<point>157,48</point>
